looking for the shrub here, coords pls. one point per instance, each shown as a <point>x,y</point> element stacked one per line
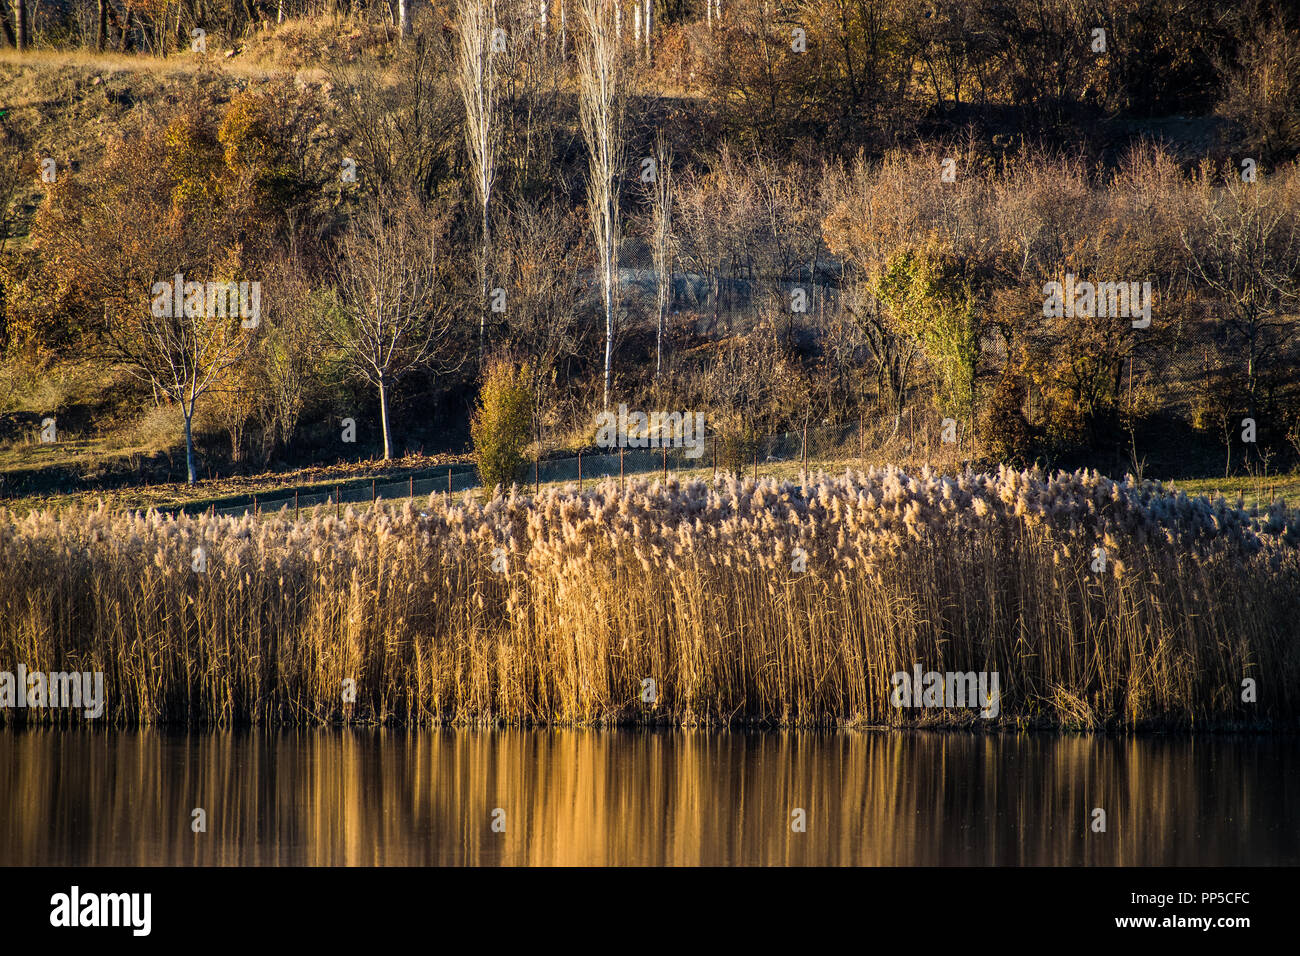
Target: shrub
<point>501,423</point>
<point>737,442</point>
<point>1006,432</point>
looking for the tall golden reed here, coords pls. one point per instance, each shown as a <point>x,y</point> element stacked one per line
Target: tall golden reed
<point>556,609</point>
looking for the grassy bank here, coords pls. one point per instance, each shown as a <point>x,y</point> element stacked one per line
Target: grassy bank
<point>558,609</point>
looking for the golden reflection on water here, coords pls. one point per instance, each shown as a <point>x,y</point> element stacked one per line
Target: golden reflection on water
<point>590,797</point>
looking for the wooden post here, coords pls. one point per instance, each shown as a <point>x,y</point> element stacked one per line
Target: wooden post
<point>338,503</point>
<point>805,452</point>
<point>579,471</point>
<point>537,476</point>
<point>449,484</point>
<point>410,484</point>
<point>254,506</point>
<point>756,463</point>
<point>665,464</point>
<point>715,458</point>
<point>861,434</point>
<point>621,483</point>
<point>295,505</point>
<point>373,497</point>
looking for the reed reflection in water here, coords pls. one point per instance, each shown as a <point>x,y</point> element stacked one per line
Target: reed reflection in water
<point>591,797</point>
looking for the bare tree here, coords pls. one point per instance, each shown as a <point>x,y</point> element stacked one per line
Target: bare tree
<point>394,306</point>
<point>179,345</point>
<point>659,195</point>
<point>1245,249</point>
<point>533,89</point>
<point>12,147</point>
<point>401,119</point>
<point>535,245</point>
<point>289,352</point>
<point>477,76</point>
<point>601,100</point>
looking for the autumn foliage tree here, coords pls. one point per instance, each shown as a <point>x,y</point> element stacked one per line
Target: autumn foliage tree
<point>161,204</point>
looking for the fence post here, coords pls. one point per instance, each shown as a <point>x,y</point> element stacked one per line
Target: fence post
<point>254,506</point>
<point>756,461</point>
<point>449,484</point>
<point>338,503</point>
<point>715,458</point>
<point>373,498</point>
<point>537,476</point>
<point>621,484</point>
<point>295,504</point>
<point>861,434</point>
<point>410,486</point>
<point>805,453</point>
<point>665,464</point>
<point>579,471</point>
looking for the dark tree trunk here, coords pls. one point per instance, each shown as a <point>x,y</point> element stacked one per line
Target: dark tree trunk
<point>5,26</point>
<point>101,31</point>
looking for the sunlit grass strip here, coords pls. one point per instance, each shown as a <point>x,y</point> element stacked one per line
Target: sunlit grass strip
<point>692,585</point>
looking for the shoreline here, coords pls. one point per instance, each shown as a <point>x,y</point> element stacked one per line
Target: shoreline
<point>999,727</point>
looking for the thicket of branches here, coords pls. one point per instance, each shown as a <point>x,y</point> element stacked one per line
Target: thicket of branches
<point>729,217</point>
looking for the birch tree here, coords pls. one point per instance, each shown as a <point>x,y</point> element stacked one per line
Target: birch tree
<point>601,100</point>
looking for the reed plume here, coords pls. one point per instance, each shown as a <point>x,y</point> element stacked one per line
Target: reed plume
<point>741,600</point>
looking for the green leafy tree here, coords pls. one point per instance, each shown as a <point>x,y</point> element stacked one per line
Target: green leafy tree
<point>935,297</point>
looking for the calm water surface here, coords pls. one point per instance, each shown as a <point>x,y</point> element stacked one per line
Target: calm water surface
<point>589,797</point>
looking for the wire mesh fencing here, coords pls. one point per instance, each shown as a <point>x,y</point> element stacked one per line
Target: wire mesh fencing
<point>783,454</point>
<point>450,480</point>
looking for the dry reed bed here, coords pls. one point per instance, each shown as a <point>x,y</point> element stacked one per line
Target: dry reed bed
<point>689,584</point>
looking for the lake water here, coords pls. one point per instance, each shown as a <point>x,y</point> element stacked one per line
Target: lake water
<point>591,797</point>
